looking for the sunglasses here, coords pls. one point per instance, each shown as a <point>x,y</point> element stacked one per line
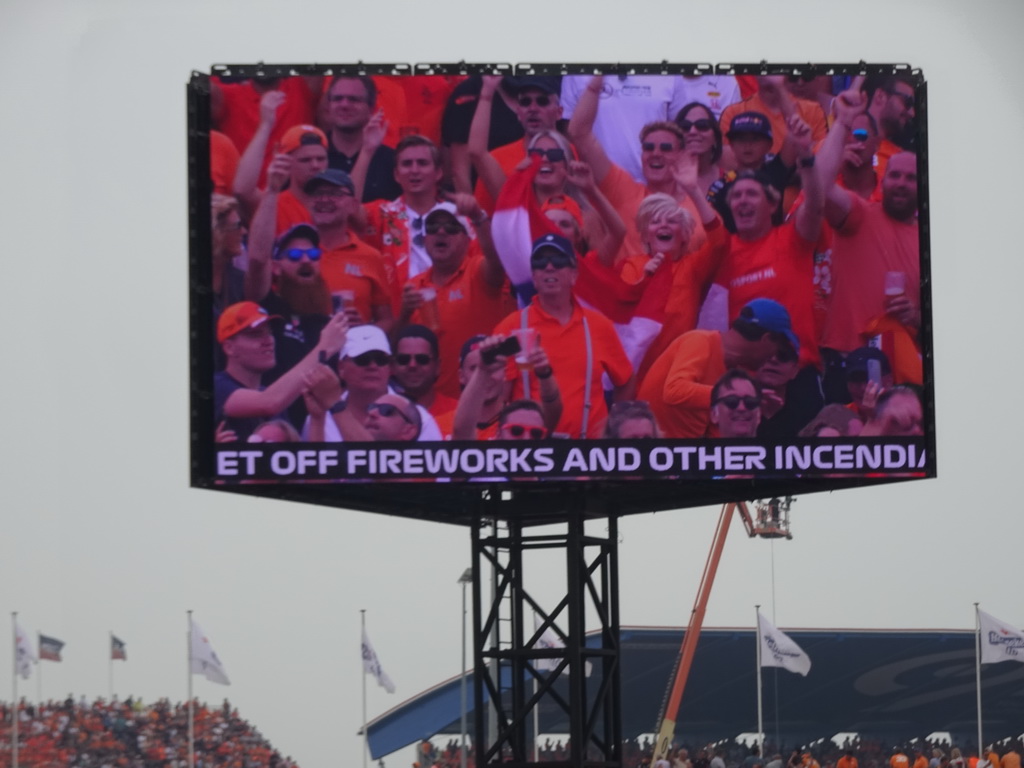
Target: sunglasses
<point>906,98</point>
<point>703,124</point>
<point>405,359</point>
<point>859,134</point>
<point>556,259</point>
<point>785,354</point>
<point>387,410</point>
<point>449,229</point>
<point>541,100</point>
<point>665,146</point>
<point>418,224</point>
<point>732,402</point>
<point>555,155</point>
<point>374,356</point>
<point>518,430</point>
<point>296,254</point>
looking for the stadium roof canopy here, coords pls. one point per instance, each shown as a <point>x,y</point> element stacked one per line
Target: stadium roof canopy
<point>893,684</point>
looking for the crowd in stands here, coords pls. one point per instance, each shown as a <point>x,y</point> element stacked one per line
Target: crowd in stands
<point>424,258</point>
<point>130,734</point>
<point>864,753</point>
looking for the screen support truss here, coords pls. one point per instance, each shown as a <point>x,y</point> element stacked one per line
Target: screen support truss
<point>522,672</point>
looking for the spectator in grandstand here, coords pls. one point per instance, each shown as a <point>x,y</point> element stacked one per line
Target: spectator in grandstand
<point>464,291</point>
<point>956,758</point>
<point>583,341</point>
<point>360,380</point>
<point>703,138</point>
<point>848,760</point>
<point>920,759</point>
<point>415,367</point>
<point>682,757</point>
<point>891,103</point>
<point>227,250</point>
<point>679,383</point>
<point>628,103</point>
<point>898,413</point>
<point>1011,758</point>
<point>351,104</point>
<point>736,404</point>
<point>754,758</point>
<point>300,155</point>
<point>564,187</point>
<point>790,396</point>
<point>355,273</point>
<point>396,227</point>
<point>766,261</point>
<point>774,100</point>
<point>899,759</point>
<point>875,264</point>
<point>660,144</point>
<point>631,420</point>
<point>537,108</point>
<point>241,401</point>
<point>483,399</point>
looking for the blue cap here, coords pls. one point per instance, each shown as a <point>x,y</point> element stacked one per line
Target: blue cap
<point>557,242</point>
<point>332,176</point>
<point>771,316</point>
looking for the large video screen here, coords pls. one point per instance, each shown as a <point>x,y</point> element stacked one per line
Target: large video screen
<point>416,287</point>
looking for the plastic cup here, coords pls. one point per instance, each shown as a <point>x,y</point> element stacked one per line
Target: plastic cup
<point>527,342</point>
<point>429,311</point>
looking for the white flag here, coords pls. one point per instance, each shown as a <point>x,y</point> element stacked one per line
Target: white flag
<point>999,641</point>
<point>205,660</point>
<point>778,650</point>
<point>372,665</point>
<point>550,639</point>
<point>25,656</point>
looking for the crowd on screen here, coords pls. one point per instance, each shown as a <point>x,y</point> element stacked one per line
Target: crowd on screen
<point>864,753</point>
<point>130,734</point>
<point>476,258</point>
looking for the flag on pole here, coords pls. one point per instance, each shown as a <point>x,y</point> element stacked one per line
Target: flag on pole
<point>999,641</point>
<point>24,655</point>
<point>372,665</point>
<point>49,648</point>
<point>205,661</point>
<point>778,650</point>
<point>117,649</point>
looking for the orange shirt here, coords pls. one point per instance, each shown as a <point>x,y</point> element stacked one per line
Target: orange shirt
<point>565,346</point>
<point>810,111</point>
<point>290,211</point>
<point>867,245</point>
<point>467,305</point>
<point>778,266</point>
<point>508,157</point>
<point>224,159</point>
<point>920,762</point>
<point>899,760</point>
<point>358,268</point>
<point>691,278</point>
<point>413,104</point>
<point>1011,760</point>
<point>625,194</point>
<point>678,385</point>
<point>847,762</point>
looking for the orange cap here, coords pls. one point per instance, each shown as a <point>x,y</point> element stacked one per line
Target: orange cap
<point>238,317</point>
<point>300,135</point>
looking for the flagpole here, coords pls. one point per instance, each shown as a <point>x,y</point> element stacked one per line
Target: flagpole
<point>39,672</point>
<point>14,697</point>
<point>110,664</point>
<point>191,720</point>
<point>366,736</point>
<point>760,710</point>
<point>977,670</point>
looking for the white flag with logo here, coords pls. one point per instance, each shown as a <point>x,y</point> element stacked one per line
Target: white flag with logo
<point>372,665</point>
<point>550,639</point>
<point>205,660</point>
<point>25,657</point>
<point>999,641</point>
<point>778,650</point>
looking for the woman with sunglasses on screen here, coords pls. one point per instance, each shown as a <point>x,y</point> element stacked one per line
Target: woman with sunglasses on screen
<point>703,138</point>
<point>563,186</point>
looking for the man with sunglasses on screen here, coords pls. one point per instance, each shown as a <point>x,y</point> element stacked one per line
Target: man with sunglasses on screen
<point>537,108</point>
<point>661,144</point>
<point>582,343</point>
<point>415,367</point>
<point>678,385</point>
<point>790,395</point>
<point>736,405</point>
<point>336,398</point>
<point>891,102</point>
<point>465,287</point>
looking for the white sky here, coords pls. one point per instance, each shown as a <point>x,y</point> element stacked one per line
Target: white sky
<point>100,529</point>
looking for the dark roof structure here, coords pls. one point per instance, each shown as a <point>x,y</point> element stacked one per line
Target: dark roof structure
<point>891,684</point>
